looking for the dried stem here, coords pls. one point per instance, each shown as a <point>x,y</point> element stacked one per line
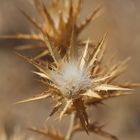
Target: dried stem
<point>70,129</point>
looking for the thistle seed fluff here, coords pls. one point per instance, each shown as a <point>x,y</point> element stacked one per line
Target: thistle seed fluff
<point>71,80</point>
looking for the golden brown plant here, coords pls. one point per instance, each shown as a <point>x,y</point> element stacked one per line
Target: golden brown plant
<point>76,77</point>
<point>57,24</point>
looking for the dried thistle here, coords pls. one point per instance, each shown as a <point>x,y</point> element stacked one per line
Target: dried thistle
<point>76,77</point>
<point>57,24</point>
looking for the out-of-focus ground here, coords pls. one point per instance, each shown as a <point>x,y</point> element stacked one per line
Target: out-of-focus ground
<point>122,115</point>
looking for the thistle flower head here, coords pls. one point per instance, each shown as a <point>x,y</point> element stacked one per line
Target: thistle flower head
<point>71,80</point>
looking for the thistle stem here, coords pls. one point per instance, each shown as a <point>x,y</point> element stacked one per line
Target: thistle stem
<point>70,129</point>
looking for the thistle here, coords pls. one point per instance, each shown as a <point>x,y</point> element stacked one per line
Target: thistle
<point>75,76</point>
<point>57,23</point>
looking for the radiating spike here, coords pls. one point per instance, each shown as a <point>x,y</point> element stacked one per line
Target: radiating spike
<point>28,47</point>
<point>41,8</point>
<point>91,93</point>
<point>73,50</point>
<point>95,13</point>
<point>78,8</point>
<point>44,53</point>
<point>39,67</point>
<point>61,21</point>
<point>98,68</point>
<point>97,51</point>
<point>45,76</point>
<point>131,85</point>
<point>49,18</point>
<point>96,101</point>
<point>99,60</point>
<point>81,113</point>
<point>35,23</point>
<point>82,62</point>
<point>106,87</point>
<point>68,103</point>
<point>117,94</point>
<point>96,80</point>
<point>35,98</point>
<point>56,108</point>
<point>33,37</point>
<point>54,53</point>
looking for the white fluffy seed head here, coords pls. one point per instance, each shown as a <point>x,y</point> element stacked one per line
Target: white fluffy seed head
<point>70,79</point>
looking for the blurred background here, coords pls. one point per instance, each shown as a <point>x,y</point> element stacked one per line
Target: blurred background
<point>122,115</point>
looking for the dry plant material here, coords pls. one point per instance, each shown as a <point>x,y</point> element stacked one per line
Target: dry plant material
<point>75,77</point>
<point>58,22</point>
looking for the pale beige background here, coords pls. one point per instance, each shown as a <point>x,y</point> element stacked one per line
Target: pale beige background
<point>122,115</point>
